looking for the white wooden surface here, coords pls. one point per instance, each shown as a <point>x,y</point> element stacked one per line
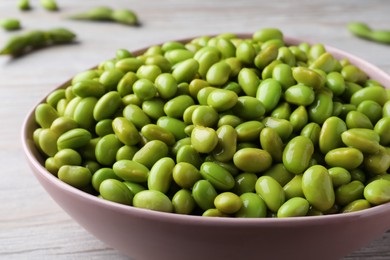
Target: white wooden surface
<point>32,226</point>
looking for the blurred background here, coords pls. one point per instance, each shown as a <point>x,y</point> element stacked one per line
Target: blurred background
<point>32,225</point>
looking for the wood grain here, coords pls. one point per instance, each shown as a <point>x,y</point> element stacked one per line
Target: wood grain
<point>32,226</point>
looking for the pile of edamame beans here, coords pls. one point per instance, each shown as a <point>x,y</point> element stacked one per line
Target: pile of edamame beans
<point>223,126</point>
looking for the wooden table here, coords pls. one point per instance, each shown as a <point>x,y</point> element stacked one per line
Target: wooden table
<point>32,226</point>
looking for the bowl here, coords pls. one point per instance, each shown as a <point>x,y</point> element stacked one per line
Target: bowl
<point>145,234</point>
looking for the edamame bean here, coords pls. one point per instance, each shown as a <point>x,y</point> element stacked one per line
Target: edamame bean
<point>242,159</point>
<point>345,157</point>
<point>74,138</point>
<point>300,95</point>
<point>107,148</point>
<point>183,202</point>
<point>218,74</point>
<point>271,192</point>
<point>293,207</point>
<point>339,175</point>
<point>155,132</point>
<point>107,105</point>
<point>153,200</point>
<point>228,202</point>
<point>330,135</point>
<point>317,187</point>
<point>185,175</point>
<point>293,188</point>
<point>101,175</point>
<point>356,205</point>
<point>297,154</point>
<point>227,143</point>
<point>160,175</point>
<point>272,143</point>
<point>253,206</point>
<point>150,153</point>
<point>269,93</point>
<point>222,100</point>
<point>76,176</point>
<point>219,177</point>
<point>377,192</point>
<point>204,139</point>
<point>349,192</point>
<point>204,194</point>
<point>366,140</point>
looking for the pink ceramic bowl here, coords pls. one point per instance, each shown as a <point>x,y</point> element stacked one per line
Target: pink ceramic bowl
<point>149,235</point>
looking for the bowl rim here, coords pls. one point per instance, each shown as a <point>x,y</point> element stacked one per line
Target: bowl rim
<point>32,155</point>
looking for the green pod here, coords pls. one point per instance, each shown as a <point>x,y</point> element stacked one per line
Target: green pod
<point>47,140</point>
<point>249,81</point>
<point>83,114</point>
<point>144,89</point>
<point>271,142</point>
<point>249,131</point>
<point>294,207</point>
<point>335,82</point>
<point>330,135</point>
<point>204,194</point>
<point>228,202</point>
<point>227,143</point>
<point>160,175</point>
<point>88,88</point>
<point>218,74</point>
<point>176,106</point>
<point>63,124</point>
<point>116,191</point>
<point>152,200</point>
<point>279,173</point>
<point>245,182</point>
<point>340,176</point>
<point>15,45</point>
<point>129,64</point>
<point>317,188</point>
<point>125,16</point>
<point>356,119</point>
<point>283,127</point>
<point>136,115</point>
<point>322,107</point>
<point>312,131</point>
<point>76,176</point>
<point>45,115</point>
<point>106,149</point>
<point>101,175</point>
<point>269,93</point>
<point>130,170</point>
<point>222,100</point>
<point>374,93</point>
<point>185,71</point>
<point>204,139</point>
<point>366,140</point>
<point>297,154</point>
<point>166,85</point>
<point>382,128</point>
<point>110,79</point>
<point>74,138</point>
<point>126,131</point>
<point>107,105</point>
<point>300,95</point>
<point>125,85</point>
<point>173,125</point>
<point>60,35</point>
<point>283,74</point>
<point>248,108</point>
<point>271,192</point>
<point>183,202</point>
<point>150,153</point>
<point>244,160</point>
<point>349,192</point>
<point>345,157</point>
<point>359,29</point>
<point>377,192</point>
<point>356,206</point>
<point>253,206</point>
<point>293,188</point>
<point>155,132</point>
<point>185,175</point>
<point>266,56</point>
<point>377,163</point>
<point>299,118</point>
